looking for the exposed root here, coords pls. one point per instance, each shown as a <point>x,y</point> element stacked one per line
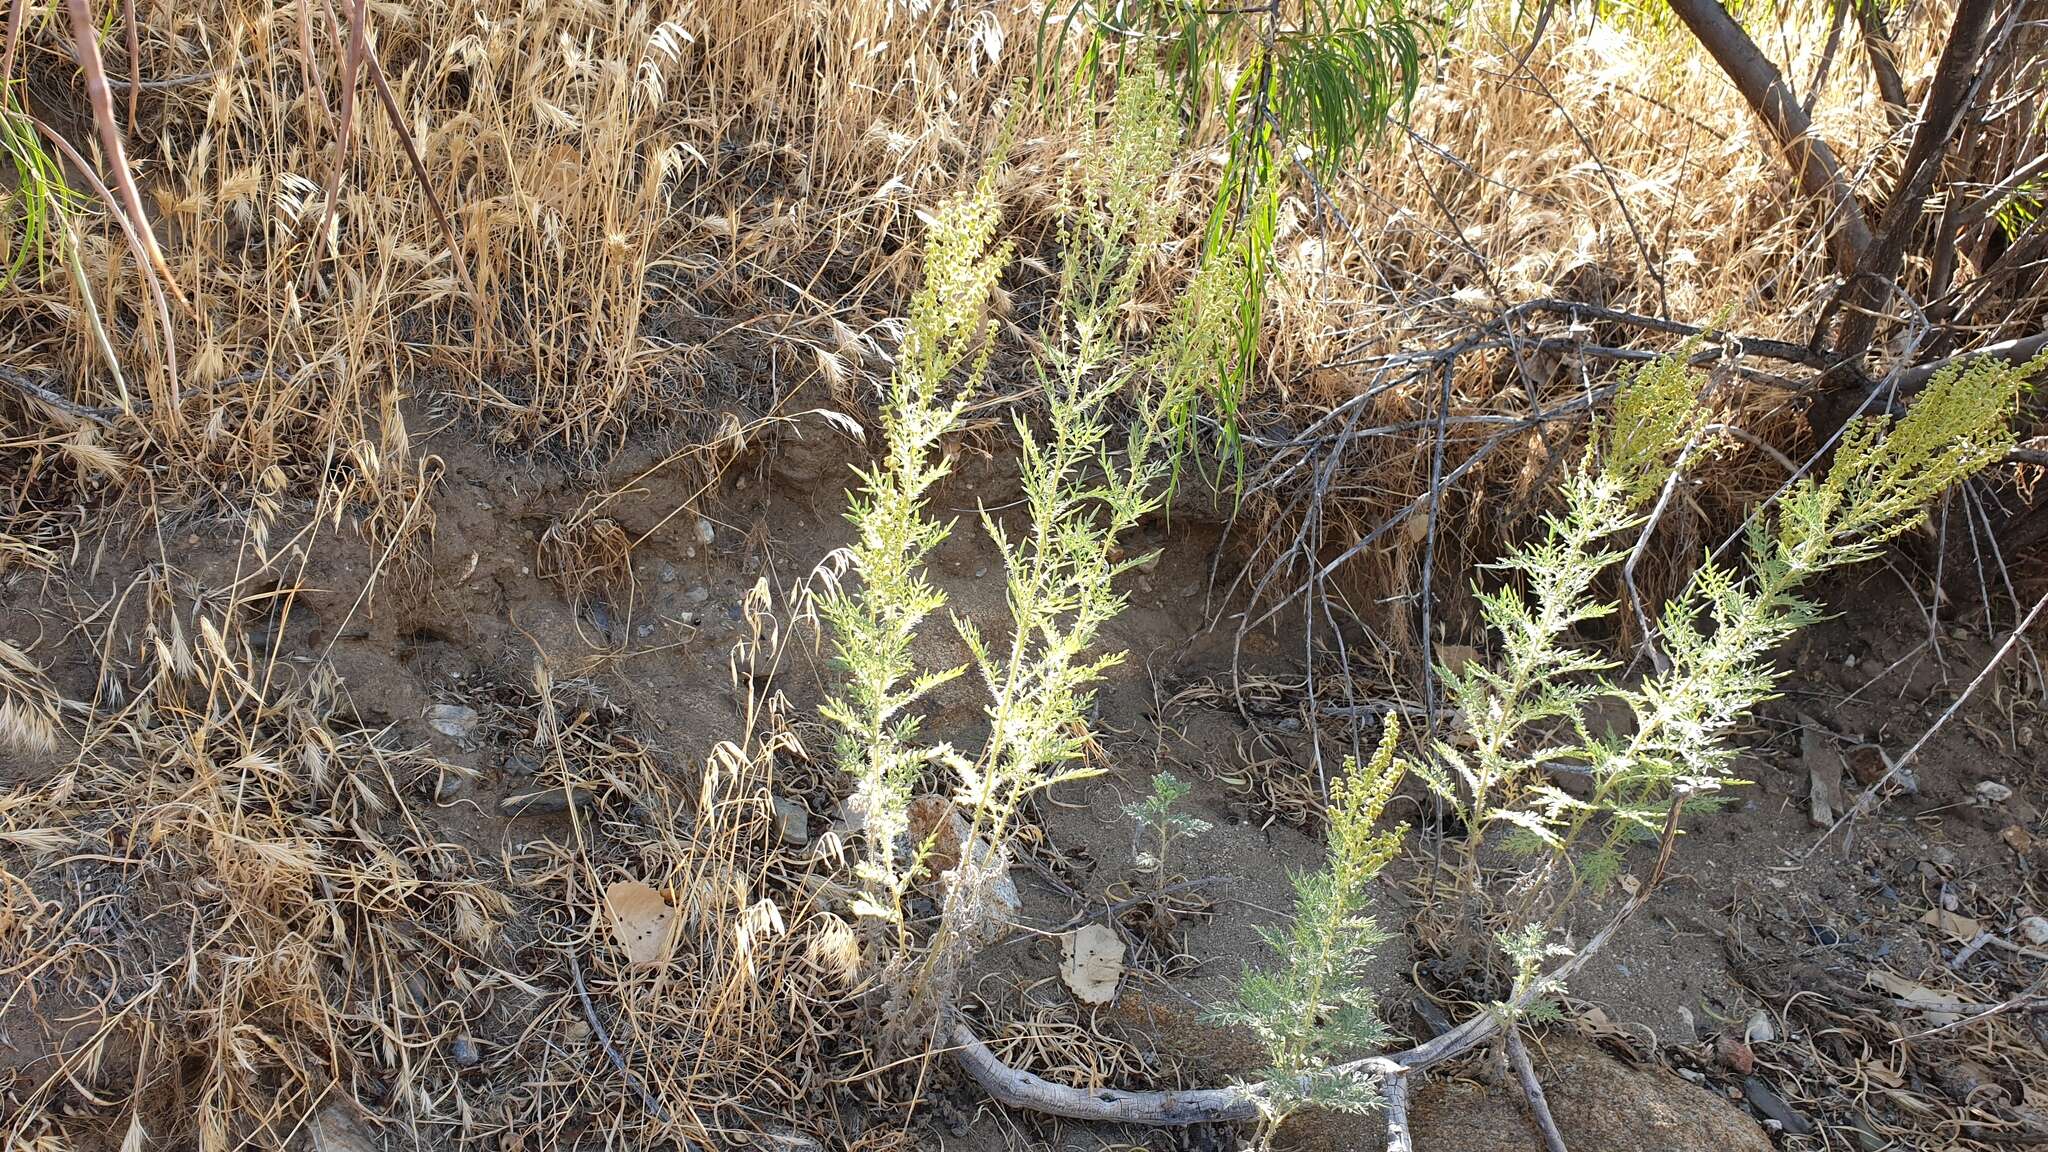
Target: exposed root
<point>1017,1088</point>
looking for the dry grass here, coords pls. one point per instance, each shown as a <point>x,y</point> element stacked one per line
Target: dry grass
<point>217,878</point>
<point>232,906</point>
<point>666,217</point>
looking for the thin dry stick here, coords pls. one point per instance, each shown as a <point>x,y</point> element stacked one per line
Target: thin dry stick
<point>1868,800</point>
<point>134,41</point>
<point>101,96</point>
<point>17,15</point>
<point>604,1038</point>
<point>1532,1090</point>
<point>139,241</point>
<point>351,69</point>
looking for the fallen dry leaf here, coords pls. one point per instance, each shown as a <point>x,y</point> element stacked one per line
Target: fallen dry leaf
<point>643,922</point>
<point>1456,656</point>
<point>1940,1007</point>
<point>1091,962</point>
<point>1961,927</point>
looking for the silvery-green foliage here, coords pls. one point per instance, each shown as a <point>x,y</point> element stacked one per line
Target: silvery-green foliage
<point>1314,1007</point>
<point>1528,715</point>
<point>1158,823</point>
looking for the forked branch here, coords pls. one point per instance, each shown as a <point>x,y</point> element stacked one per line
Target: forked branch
<point>1763,86</point>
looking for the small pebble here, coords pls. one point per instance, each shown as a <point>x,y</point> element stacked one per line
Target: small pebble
<point>455,720</point>
<point>699,594</point>
<point>1734,1055</point>
<point>792,822</point>
<point>1993,792</point>
<point>644,631</point>
<point>705,532</point>
<point>668,573</point>
<point>465,1053</point>
<point>2034,930</point>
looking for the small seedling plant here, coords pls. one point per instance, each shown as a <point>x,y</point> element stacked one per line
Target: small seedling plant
<point>1157,823</point>
<point>1316,1007</point>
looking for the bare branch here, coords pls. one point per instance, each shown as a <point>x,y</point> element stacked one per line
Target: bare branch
<point>1763,86</point>
<point>1994,198</point>
<point>2017,351</point>
<point>1395,1093</point>
<point>1016,1088</point>
<point>1532,1090</point>
<point>1948,97</point>
<point>1883,54</point>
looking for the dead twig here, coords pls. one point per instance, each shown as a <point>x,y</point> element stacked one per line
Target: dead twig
<point>604,1038</point>
<point>1532,1090</point>
<point>1016,1088</point>
<point>45,396</point>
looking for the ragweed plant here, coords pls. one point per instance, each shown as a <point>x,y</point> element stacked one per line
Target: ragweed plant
<point>1082,496</point>
<point>1157,823</point>
<point>1084,487</point>
<point>945,353</point>
<point>1317,1006</point>
<point>1543,674</point>
<point>1718,634</point>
